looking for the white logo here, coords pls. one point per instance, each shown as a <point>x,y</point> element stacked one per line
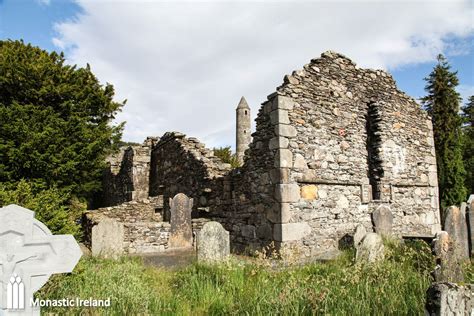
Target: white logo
<point>15,293</point>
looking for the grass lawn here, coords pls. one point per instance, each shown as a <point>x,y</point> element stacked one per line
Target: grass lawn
<point>395,286</point>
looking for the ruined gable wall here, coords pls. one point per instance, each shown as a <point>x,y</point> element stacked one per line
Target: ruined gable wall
<point>238,198</point>
<point>117,180</point>
<point>127,176</point>
<point>254,209</point>
<point>325,159</point>
<point>184,165</point>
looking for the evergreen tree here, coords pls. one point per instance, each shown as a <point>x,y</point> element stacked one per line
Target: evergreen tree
<point>442,103</point>
<point>226,155</point>
<point>54,121</point>
<point>468,153</point>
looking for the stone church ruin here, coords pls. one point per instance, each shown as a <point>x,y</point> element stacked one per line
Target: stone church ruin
<point>332,145</point>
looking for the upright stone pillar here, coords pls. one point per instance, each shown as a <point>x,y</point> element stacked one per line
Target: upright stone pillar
<point>181,235</point>
<point>455,225</point>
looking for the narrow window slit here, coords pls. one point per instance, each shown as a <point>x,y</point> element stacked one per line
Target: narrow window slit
<point>374,147</point>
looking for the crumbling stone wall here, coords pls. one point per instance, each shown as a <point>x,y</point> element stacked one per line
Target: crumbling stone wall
<point>128,174</point>
<point>232,197</point>
<point>184,165</point>
<point>349,140</point>
<point>144,229</point>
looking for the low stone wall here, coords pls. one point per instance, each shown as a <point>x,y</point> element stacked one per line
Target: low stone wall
<point>140,231</point>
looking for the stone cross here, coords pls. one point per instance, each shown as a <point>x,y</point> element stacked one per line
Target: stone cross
<point>29,255</point>
<point>181,235</point>
<point>213,243</point>
<point>383,220</point>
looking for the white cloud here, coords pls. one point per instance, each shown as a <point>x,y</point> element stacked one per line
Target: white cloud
<point>44,2</point>
<point>184,66</point>
<point>465,91</point>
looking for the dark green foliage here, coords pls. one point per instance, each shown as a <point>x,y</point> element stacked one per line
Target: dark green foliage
<point>226,155</point>
<point>442,103</point>
<point>53,207</point>
<point>54,120</point>
<point>468,153</point>
<point>126,144</point>
<point>396,286</point>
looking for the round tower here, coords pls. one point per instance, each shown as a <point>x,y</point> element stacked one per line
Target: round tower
<point>243,129</point>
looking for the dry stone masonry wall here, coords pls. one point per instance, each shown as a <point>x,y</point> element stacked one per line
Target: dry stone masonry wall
<point>127,177</point>
<point>353,141</point>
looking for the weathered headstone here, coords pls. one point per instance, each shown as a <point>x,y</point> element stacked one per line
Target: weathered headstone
<point>449,299</point>
<point>449,263</point>
<point>107,238</point>
<point>359,234</point>
<point>181,234</point>
<point>213,243</point>
<point>470,223</point>
<point>456,226</point>
<point>383,220</point>
<point>371,249</point>
<point>29,255</point>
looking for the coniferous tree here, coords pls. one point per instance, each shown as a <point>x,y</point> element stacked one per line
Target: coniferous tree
<point>468,152</point>
<point>226,155</point>
<point>442,103</point>
<point>55,121</point>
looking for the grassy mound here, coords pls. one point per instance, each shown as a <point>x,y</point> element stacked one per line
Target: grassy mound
<point>392,287</point>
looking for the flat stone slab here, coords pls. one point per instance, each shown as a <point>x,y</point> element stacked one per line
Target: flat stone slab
<point>170,259</point>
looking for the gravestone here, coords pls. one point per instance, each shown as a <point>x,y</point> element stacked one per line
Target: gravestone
<point>213,243</point>
<point>470,222</point>
<point>449,263</point>
<point>107,238</point>
<point>450,299</point>
<point>383,220</point>
<point>371,249</point>
<point>359,234</point>
<point>29,255</point>
<point>181,234</point>
<point>456,226</point>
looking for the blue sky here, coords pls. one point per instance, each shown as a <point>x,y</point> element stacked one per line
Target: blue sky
<point>184,66</point>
